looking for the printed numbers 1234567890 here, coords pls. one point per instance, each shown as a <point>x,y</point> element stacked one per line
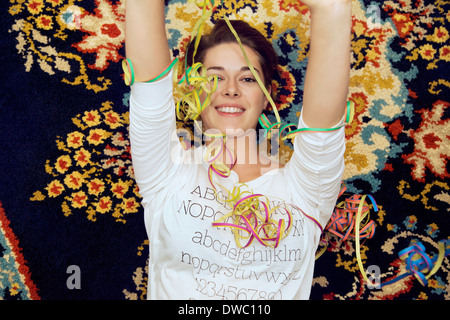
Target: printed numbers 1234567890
<point>220,291</point>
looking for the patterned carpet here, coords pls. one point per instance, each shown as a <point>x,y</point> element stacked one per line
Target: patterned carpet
<point>71,223</point>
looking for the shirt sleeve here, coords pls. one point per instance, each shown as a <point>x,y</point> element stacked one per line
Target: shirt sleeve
<point>314,173</point>
<point>153,134</point>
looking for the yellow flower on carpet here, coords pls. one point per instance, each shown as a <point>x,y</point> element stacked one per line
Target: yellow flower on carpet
<point>44,22</point>
<point>440,35</point>
<point>410,222</point>
<point>433,283</point>
<point>422,296</point>
<point>136,190</point>
<point>91,118</point>
<point>390,227</point>
<point>75,139</point>
<point>35,6</point>
<point>119,189</point>
<point>54,188</point>
<point>63,163</point>
<point>404,23</point>
<point>96,186</point>
<point>74,180</point>
<point>427,52</point>
<point>97,136</point>
<point>432,229</point>
<point>444,53</point>
<point>104,205</point>
<point>82,157</point>
<point>14,288</point>
<point>130,205</point>
<point>79,199</point>
<point>112,119</point>
<point>13,10</point>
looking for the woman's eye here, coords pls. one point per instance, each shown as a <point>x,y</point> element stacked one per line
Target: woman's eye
<point>216,76</point>
<point>247,79</point>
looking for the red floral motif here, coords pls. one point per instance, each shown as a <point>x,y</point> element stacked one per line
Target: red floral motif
<point>106,33</point>
<point>395,129</point>
<point>431,143</point>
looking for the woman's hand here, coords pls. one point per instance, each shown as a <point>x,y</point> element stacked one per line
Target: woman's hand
<point>327,76</point>
<point>145,38</point>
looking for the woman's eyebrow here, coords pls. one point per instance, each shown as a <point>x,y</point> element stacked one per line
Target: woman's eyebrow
<point>216,68</point>
<point>248,69</point>
<point>244,68</point>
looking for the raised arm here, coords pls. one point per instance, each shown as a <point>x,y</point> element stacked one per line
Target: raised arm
<point>145,38</point>
<point>152,109</point>
<point>327,76</point>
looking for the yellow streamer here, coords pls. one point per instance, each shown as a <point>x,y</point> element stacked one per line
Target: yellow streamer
<point>358,249</point>
<point>439,261</point>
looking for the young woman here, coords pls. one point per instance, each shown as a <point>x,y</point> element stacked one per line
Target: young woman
<point>194,250</point>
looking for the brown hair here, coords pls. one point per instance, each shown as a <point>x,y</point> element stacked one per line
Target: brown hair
<point>249,37</point>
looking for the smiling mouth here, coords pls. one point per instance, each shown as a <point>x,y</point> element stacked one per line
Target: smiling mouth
<point>230,110</point>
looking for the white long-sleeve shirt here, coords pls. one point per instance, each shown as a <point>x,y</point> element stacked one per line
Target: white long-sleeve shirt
<point>191,259</point>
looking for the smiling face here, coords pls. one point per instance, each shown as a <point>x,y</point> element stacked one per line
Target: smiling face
<point>238,101</point>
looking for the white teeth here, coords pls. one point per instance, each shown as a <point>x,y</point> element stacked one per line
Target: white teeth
<point>230,109</point>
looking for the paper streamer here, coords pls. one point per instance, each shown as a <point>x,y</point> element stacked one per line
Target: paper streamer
<point>252,219</point>
<point>419,264</point>
<point>351,221</point>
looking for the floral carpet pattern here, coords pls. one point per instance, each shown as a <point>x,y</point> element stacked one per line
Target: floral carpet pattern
<point>67,193</point>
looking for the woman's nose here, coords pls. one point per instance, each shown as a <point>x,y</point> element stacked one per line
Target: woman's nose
<point>231,89</point>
